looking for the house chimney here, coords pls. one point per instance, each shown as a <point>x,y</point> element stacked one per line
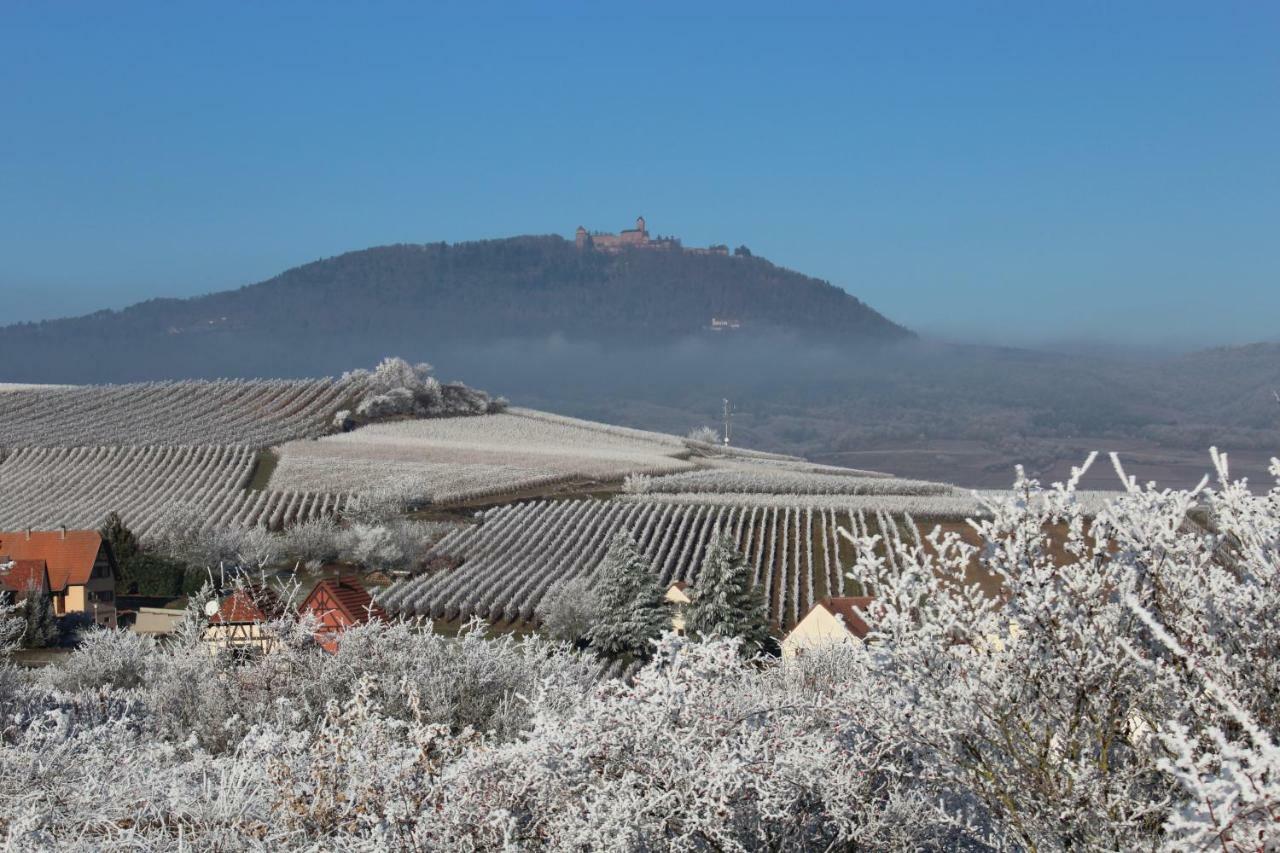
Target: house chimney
<point>63,532</point>
<point>28,534</point>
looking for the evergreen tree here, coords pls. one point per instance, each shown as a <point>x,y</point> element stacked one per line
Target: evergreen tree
<point>632,610</point>
<point>154,574</point>
<point>121,539</point>
<point>124,545</point>
<point>41,628</point>
<point>725,603</point>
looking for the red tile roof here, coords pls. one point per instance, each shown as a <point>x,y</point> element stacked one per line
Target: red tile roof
<point>20,575</point>
<point>844,608</point>
<point>250,604</point>
<point>346,596</point>
<point>70,556</point>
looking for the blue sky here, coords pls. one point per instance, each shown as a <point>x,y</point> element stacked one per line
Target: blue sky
<point>998,172</point>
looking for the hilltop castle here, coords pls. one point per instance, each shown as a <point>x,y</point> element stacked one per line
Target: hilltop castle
<point>636,238</point>
<point>632,237</point>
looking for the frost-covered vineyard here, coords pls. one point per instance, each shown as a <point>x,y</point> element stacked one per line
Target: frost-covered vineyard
<point>516,553</point>
<point>450,460</point>
<point>42,487</point>
<point>308,468</point>
<point>257,413</point>
<point>71,456</point>
<point>761,479</point>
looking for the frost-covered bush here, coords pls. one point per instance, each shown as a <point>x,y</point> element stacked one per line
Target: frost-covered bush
<point>704,435</point>
<point>181,534</point>
<point>569,609</point>
<point>316,540</point>
<point>1128,654</point>
<point>637,484</point>
<point>396,388</point>
<point>393,544</point>
<point>1119,694</point>
<point>13,624</point>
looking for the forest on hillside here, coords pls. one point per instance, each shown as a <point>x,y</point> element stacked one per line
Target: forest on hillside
<point>479,292</point>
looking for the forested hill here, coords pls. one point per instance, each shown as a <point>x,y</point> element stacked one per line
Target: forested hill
<point>463,293</point>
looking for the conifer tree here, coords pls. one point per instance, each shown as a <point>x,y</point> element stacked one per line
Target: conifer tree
<point>124,545</point>
<point>632,611</point>
<point>724,602</point>
<point>41,624</point>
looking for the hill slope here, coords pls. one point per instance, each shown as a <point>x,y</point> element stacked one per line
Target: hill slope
<point>467,292</point>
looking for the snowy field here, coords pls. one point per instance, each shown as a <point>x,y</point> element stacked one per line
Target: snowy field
<point>20,386</point>
<point>450,459</point>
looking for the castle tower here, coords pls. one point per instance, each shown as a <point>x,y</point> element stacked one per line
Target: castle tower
<point>640,226</point>
<point>581,237</point>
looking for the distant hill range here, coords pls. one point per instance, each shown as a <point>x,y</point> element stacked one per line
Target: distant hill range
<point>389,298</point>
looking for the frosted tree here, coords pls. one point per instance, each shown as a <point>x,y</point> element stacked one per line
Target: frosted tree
<point>396,388</point>
<point>569,609</point>
<point>1066,706</point>
<point>315,541</point>
<point>12,623</point>
<point>704,434</point>
<point>632,611</point>
<point>724,602</point>
<point>124,544</point>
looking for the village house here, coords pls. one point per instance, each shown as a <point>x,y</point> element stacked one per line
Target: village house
<point>678,597</point>
<point>338,605</point>
<point>238,623</point>
<point>830,621</point>
<point>80,566</point>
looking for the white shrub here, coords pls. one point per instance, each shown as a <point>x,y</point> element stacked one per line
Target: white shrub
<point>1119,694</point>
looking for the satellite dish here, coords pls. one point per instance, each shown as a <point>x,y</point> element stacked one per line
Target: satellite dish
<point>211,607</point>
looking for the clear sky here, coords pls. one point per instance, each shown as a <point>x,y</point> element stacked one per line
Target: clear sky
<point>981,171</point>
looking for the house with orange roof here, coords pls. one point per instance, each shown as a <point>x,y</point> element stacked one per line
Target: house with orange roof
<point>337,605</point>
<point>830,621</point>
<point>239,622</point>
<point>80,566</point>
<point>18,577</point>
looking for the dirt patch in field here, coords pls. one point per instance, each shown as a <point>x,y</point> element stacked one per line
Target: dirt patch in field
<point>263,467</point>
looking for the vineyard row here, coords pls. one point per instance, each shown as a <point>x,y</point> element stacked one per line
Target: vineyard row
<point>257,413</point>
<point>45,488</point>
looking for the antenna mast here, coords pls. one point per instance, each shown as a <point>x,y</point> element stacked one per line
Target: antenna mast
<point>728,422</point>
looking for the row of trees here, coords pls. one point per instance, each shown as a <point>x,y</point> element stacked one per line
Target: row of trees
<point>179,558</point>
<point>622,612</point>
<point>396,388</point>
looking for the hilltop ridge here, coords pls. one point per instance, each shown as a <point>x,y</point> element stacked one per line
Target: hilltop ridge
<point>473,292</point>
